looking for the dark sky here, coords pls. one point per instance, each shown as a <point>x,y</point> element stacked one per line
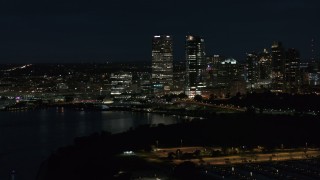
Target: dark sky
<point>121,30</point>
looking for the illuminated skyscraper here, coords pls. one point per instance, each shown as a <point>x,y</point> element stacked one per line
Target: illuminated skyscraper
<point>278,66</point>
<point>195,65</point>
<point>253,72</point>
<point>162,68</point>
<point>120,84</point>
<point>258,68</point>
<point>313,56</point>
<point>265,70</point>
<point>229,77</point>
<point>292,76</point>
<point>314,64</point>
<point>213,63</point>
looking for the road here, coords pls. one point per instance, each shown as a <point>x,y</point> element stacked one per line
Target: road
<point>292,154</point>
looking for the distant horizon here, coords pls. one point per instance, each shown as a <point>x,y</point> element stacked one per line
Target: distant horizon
<point>36,60</point>
<point>100,61</point>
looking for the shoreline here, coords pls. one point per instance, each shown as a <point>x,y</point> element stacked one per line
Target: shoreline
<point>90,108</point>
<point>229,136</point>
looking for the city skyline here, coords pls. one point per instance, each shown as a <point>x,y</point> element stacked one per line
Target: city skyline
<point>79,31</point>
<point>170,89</point>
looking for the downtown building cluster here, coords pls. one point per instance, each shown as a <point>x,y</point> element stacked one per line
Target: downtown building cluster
<point>280,70</point>
<point>276,69</point>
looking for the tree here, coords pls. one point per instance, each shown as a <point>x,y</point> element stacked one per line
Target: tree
<point>171,155</point>
<point>198,98</point>
<point>101,97</point>
<point>69,98</point>
<point>197,153</point>
<point>211,97</point>
<point>238,95</point>
<point>182,96</point>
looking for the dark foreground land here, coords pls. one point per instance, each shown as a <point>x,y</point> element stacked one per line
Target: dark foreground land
<point>99,156</point>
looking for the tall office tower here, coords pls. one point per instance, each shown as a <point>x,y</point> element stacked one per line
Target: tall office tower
<point>215,59</point>
<point>212,69</point>
<point>292,76</point>
<point>313,54</point>
<point>264,71</point>
<point>195,65</point>
<point>227,71</point>
<point>162,68</point>
<point>144,83</point>
<point>253,70</point>
<point>179,74</point>
<point>278,66</point>
<point>265,65</point>
<point>314,65</point>
<point>229,77</point>
<point>120,85</point>
<point>213,64</point>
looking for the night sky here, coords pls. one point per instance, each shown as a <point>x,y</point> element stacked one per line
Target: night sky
<point>121,30</point>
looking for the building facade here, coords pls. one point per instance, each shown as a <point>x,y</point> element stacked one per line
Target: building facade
<point>121,85</point>
<point>278,67</point>
<point>292,72</point>
<point>253,70</point>
<point>162,64</point>
<point>195,65</point>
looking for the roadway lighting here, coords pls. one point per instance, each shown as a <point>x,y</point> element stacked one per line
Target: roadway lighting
<point>128,153</point>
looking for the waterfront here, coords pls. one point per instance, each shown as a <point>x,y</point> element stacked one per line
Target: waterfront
<point>29,137</point>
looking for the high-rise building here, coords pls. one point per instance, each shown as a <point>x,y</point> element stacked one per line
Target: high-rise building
<point>229,80</point>
<point>292,76</point>
<point>313,54</point>
<point>228,71</point>
<point>121,84</point>
<point>278,67</point>
<point>313,73</point>
<point>195,65</point>
<point>265,68</point>
<point>210,76</point>
<point>179,74</point>
<point>162,67</point>
<point>253,70</point>
<point>258,71</point>
<point>144,83</point>
<point>213,63</point>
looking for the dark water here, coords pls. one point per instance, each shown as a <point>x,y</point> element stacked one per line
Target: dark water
<point>27,138</point>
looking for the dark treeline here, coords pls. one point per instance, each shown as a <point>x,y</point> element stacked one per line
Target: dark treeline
<point>270,100</point>
<point>229,130</point>
<point>93,157</point>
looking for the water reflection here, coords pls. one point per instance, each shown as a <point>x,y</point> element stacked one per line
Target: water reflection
<point>26,138</point>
